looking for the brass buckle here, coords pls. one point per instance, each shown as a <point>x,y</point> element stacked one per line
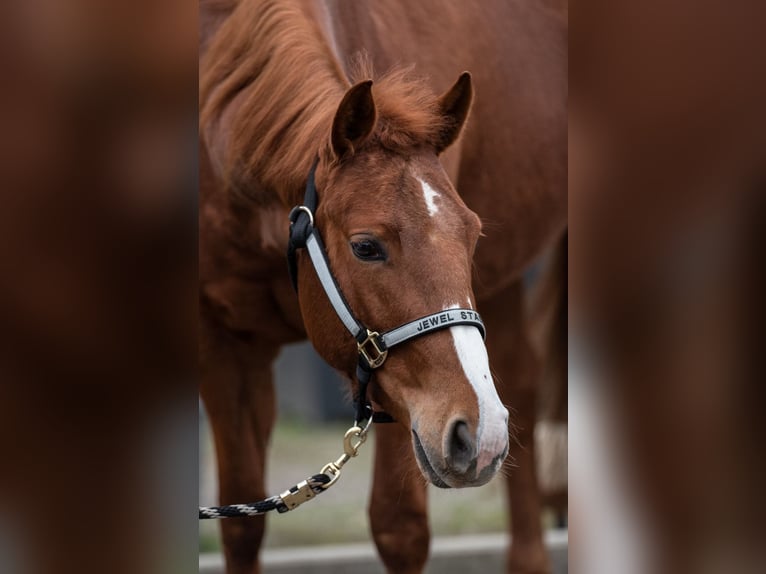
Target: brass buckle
<point>374,355</point>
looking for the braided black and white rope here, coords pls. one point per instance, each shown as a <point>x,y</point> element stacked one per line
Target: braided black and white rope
<point>316,483</point>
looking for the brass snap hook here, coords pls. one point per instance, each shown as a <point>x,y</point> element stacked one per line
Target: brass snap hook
<point>350,445</point>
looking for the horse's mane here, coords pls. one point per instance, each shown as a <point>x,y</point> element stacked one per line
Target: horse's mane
<point>269,89</point>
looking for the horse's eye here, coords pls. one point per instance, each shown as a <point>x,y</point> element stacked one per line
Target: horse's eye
<point>368,250</point>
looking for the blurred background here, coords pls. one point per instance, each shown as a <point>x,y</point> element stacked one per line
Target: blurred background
<point>666,203</point>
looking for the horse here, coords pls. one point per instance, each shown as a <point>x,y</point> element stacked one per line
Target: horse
<point>422,210</point>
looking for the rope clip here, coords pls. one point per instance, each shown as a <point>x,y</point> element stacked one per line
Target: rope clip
<point>297,495</point>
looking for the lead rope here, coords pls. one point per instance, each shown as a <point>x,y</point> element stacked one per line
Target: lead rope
<point>301,492</point>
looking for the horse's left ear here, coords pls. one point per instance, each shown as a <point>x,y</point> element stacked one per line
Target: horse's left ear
<point>354,120</point>
<point>454,106</point>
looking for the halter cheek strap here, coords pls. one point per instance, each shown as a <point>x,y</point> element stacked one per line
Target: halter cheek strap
<point>372,346</point>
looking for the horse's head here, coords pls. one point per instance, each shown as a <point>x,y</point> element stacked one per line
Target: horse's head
<point>400,243</point>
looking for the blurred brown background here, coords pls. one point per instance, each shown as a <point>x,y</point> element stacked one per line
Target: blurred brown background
<point>666,286</point>
<point>97,286</point>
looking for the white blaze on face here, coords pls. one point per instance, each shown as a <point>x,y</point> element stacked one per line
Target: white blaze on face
<point>492,434</point>
<point>429,194</point>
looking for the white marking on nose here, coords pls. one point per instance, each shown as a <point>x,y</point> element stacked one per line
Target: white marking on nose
<point>429,194</point>
<point>492,434</point>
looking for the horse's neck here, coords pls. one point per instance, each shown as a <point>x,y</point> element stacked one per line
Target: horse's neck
<point>271,85</point>
<point>242,238</point>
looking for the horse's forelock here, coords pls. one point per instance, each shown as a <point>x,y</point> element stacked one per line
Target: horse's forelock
<point>407,108</point>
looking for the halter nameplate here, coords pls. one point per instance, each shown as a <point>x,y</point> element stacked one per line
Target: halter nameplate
<point>434,322</point>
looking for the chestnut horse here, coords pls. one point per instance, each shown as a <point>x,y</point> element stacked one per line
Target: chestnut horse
<point>282,84</point>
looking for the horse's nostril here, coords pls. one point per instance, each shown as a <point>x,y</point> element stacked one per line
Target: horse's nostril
<point>462,447</point>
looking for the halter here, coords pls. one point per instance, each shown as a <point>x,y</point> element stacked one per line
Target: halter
<point>372,346</point>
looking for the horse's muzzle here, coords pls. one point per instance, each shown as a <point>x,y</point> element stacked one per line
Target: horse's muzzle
<point>461,462</point>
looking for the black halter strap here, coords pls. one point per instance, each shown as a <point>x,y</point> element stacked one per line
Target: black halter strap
<point>372,346</point>
<point>302,224</point>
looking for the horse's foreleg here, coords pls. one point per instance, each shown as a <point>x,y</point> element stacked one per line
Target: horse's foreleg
<point>517,370</point>
<point>239,400</point>
<point>398,512</point>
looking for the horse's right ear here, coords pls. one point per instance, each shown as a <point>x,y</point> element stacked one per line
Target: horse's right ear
<point>454,106</point>
<point>354,120</point>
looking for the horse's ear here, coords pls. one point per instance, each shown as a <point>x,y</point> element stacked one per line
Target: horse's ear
<point>454,106</point>
<point>354,120</point>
